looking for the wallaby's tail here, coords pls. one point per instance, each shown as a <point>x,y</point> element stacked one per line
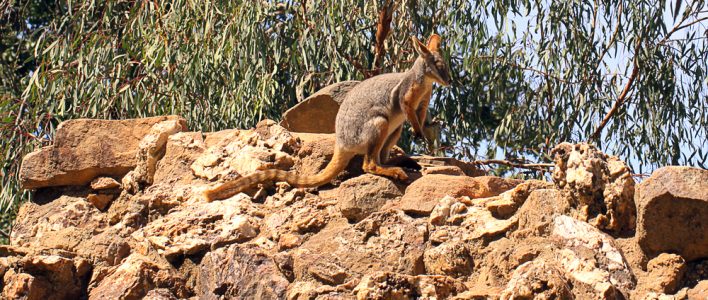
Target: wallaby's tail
<point>339,161</point>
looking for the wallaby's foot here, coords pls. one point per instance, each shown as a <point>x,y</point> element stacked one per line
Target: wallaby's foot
<point>393,172</point>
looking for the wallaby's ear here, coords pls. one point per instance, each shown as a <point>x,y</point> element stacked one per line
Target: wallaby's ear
<point>434,42</point>
<point>420,47</point>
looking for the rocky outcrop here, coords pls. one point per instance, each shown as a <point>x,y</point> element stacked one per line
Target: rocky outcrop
<point>451,233</point>
<point>317,113</point>
<point>84,149</point>
<point>673,212</point>
<point>600,186</point>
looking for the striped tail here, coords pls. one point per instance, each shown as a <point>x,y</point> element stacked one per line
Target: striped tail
<point>339,161</point>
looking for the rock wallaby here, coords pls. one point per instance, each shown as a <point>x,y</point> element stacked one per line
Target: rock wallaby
<point>369,122</point>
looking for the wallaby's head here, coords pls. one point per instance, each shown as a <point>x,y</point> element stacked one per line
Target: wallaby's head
<point>435,66</point>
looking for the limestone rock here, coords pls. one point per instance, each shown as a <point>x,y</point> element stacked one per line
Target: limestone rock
<point>85,149</point>
<point>452,259</point>
<point>24,286</point>
<point>385,285</point>
<point>537,280</point>
<point>600,186</point>
<point>360,196</point>
<point>386,241</point>
<point>100,201</point>
<point>181,151</point>
<point>446,170</point>
<point>104,183</point>
<point>238,153</point>
<point>430,162</point>
<point>507,203</point>
<point>665,273</point>
<point>541,208</point>
<point>423,194</point>
<point>64,223</point>
<point>239,272</point>
<point>317,113</point>
<point>591,259</point>
<point>150,149</point>
<point>135,277</point>
<point>200,227</point>
<point>700,291</point>
<point>673,212</point>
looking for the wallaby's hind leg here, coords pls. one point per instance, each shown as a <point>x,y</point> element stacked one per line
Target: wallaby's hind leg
<point>372,160</point>
<point>390,142</point>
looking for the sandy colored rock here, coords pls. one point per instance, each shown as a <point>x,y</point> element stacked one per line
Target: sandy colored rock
<point>384,285</point>
<point>446,170</point>
<point>700,291</point>
<point>452,259</point>
<point>423,194</point>
<point>63,223</point>
<point>317,113</point>
<point>467,168</point>
<point>672,208</point>
<point>199,227</point>
<point>387,241</point>
<point>237,153</point>
<point>24,286</point>
<point>239,272</point>
<point>537,280</point>
<point>104,183</point>
<point>540,209</point>
<point>150,149</point>
<point>85,149</point>
<point>591,259</point>
<point>363,195</point>
<point>601,187</point>
<point>100,201</point>
<point>181,151</point>
<point>665,273</point>
<point>135,277</point>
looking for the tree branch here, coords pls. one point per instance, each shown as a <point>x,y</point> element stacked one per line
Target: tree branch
<point>382,30</point>
<point>537,167</point>
<point>620,100</point>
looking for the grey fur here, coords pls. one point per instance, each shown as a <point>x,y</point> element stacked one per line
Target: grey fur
<point>378,100</point>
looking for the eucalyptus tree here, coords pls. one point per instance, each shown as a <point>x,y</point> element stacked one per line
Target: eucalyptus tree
<point>629,76</point>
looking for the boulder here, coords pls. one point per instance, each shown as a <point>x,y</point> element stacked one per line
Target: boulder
<point>537,279</point>
<point>673,212</point>
<point>360,196</point>
<point>665,273</point>
<point>181,151</point>
<point>591,259</point>
<point>700,291</point>
<point>600,186</point>
<point>540,209</point>
<point>104,183</point>
<point>387,241</point>
<point>239,272</point>
<point>451,258</point>
<point>423,194</point>
<point>135,277</point>
<point>386,285</point>
<point>317,113</point>
<point>197,228</point>
<point>85,149</point>
<point>63,223</point>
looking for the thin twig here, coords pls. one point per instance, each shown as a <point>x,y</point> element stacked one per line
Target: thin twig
<point>537,167</point>
<point>4,233</point>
